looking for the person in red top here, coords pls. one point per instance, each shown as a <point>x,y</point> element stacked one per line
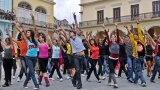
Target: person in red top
<point>94,58</point>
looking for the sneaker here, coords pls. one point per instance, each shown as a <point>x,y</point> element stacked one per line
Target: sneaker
<point>110,84</point>
<point>67,77</point>
<point>88,80</point>
<point>115,85</point>
<point>29,81</point>
<point>57,77</point>
<point>143,84</point>
<point>47,85</point>
<point>83,75</point>
<point>130,80</point>
<point>100,77</point>
<point>25,86</point>
<point>36,88</point>
<point>148,75</point>
<point>103,78</point>
<point>18,79</point>
<point>13,77</point>
<point>153,81</point>
<point>99,81</point>
<point>61,79</point>
<point>119,77</point>
<point>5,85</point>
<point>51,78</point>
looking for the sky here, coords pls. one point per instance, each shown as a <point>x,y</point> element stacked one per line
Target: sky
<point>63,9</point>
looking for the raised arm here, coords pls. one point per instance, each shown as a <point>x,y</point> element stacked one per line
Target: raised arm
<point>7,31</point>
<point>149,37</point>
<point>107,35</point>
<point>20,31</point>
<point>76,24</point>
<point>65,34</point>
<point>34,27</point>
<point>127,28</point>
<point>117,33</point>
<point>140,35</point>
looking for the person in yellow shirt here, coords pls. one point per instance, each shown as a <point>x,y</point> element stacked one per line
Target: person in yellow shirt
<point>138,45</point>
<point>70,59</point>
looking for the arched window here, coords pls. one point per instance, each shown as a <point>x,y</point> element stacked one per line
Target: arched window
<point>41,10</point>
<point>25,5</point>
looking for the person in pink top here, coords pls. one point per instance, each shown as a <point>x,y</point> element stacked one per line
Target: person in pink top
<point>43,59</point>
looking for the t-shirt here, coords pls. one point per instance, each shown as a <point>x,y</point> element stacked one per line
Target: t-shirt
<point>140,49</point>
<point>95,52</point>
<point>76,44</point>
<point>69,49</point>
<point>23,48</point>
<point>55,51</point>
<point>32,49</point>
<point>128,48</point>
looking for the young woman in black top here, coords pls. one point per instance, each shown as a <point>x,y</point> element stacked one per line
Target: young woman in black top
<point>122,58</point>
<point>149,57</point>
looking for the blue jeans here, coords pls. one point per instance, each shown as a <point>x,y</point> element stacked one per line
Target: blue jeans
<point>31,62</point>
<point>23,68</point>
<point>86,63</point>
<point>131,64</point>
<point>138,70</point>
<point>105,65</point>
<point>49,65</point>
<point>100,63</point>
<point>78,62</point>
<point>156,68</point>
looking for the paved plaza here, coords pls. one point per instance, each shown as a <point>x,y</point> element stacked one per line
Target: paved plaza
<point>93,85</point>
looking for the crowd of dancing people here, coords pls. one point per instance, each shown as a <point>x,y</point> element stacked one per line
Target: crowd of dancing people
<point>76,54</point>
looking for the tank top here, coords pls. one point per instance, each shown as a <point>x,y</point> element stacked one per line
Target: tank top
<point>43,51</point>
<point>8,53</point>
<point>55,51</point>
<point>32,49</point>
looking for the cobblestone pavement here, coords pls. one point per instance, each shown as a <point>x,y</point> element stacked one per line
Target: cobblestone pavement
<point>93,85</point>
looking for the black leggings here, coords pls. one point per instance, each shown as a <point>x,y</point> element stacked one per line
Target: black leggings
<point>54,61</point>
<point>123,61</point>
<point>100,63</point>
<point>93,68</point>
<point>43,62</point>
<point>7,65</point>
<point>112,64</point>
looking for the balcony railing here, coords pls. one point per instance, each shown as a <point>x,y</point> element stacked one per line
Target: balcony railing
<point>122,19</point>
<point>28,21</point>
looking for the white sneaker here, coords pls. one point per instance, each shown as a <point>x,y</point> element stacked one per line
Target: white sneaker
<point>110,84</point>
<point>51,78</point>
<point>13,77</point>
<point>61,79</point>
<point>29,81</point>
<point>67,77</point>
<point>103,78</point>
<point>57,77</point>
<point>115,85</point>
<point>82,75</point>
<point>18,79</point>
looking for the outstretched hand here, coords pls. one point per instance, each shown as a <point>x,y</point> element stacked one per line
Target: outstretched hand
<point>46,25</point>
<point>125,26</point>
<point>103,25</point>
<point>32,15</point>
<point>7,32</point>
<point>74,15</point>
<point>137,20</point>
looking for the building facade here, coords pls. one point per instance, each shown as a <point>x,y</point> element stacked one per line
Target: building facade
<point>43,11</point>
<point>95,12</point>
<point>4,22</point>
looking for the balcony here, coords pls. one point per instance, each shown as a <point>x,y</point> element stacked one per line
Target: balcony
<point>84,2</point>
<point>122,19</point>
<point>28,21</point>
